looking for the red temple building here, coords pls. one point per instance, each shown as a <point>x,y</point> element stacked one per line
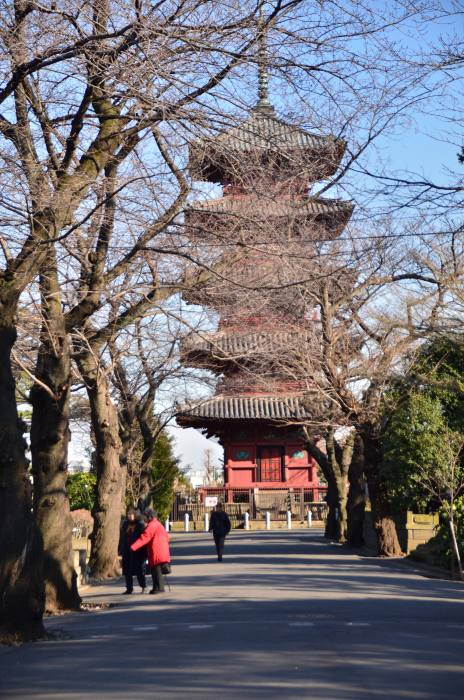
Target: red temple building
<point>267,168</point>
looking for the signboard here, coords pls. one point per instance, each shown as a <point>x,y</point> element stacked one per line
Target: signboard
<point>211,500</point>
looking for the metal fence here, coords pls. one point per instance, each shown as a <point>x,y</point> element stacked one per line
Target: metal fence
<point>255,502</point>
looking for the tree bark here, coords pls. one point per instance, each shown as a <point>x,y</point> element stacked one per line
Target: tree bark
<point>22,599</point>
<point>49,448</point>
<point>126,435</point>
<point>339,461</point>
<point>356,503</point>
<point>331,526</point>
<point>382,521</point>
<point>149,442</point>
<point>334,466</point>
<point>107,507</point>
<point>342,495</point>
<point>323,462</point>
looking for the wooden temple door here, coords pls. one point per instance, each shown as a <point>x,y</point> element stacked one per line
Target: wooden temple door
<point>270,463</point>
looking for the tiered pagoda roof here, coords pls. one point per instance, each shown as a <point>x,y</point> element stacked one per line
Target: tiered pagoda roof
<point>268,140</point>
<point>329,215</point>
<point>245,407</point>
<point>262,207</point>
<point>227,346</point>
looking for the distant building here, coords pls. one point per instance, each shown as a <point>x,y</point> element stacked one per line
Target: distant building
<point>197,478</point>
<point>80,465</point>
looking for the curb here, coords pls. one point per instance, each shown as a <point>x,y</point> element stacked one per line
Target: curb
<point>429,571</point>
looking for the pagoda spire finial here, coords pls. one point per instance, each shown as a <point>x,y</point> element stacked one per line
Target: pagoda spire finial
<point>263,105</point>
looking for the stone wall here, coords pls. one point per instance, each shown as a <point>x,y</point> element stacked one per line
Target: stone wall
<point>412,529</point>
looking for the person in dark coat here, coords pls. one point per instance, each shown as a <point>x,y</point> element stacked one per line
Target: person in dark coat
<point>132,562</point>
<point>220,527</point>
<point>155,540</point>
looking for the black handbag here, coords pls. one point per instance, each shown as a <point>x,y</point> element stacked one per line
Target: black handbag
<point>166,568</point>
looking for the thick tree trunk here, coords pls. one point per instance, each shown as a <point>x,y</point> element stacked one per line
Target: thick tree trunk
<point>334,466</point>
<point>356,496</point>
<point>331,526</point>
<point>22,598</point>
<point>339,458</point>
<point>107,507</point>
<point>342,496</point>
<point>382,521</point>
<point>49,447</point>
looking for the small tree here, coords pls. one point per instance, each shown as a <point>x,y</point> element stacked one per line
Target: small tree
<point>423,454</point>
<point>165,473</point>
<point>212,470</point>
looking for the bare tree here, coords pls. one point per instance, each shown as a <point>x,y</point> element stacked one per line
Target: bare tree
<point>212,477</point>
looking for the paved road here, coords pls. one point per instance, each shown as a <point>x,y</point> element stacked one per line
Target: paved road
<point>285,615</point>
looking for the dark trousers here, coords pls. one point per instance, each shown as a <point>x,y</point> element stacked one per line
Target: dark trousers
<point>130,581</point>
<point>157,576</point>
<point>219,542</point>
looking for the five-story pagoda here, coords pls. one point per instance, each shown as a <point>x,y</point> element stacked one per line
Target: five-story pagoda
<point>267,168</point>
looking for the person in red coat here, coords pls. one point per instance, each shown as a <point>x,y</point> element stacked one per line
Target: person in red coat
<point>156,539</point>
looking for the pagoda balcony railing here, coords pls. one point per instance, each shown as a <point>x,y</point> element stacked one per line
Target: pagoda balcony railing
<point>231,387</point>
<point>296,188</point>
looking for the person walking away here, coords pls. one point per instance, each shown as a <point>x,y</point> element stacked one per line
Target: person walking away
<point>132,562</point>
<point>220,527</point>
<point>156,539</point>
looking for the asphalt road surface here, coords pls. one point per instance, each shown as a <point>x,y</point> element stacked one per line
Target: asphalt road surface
<point>285,615</point>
